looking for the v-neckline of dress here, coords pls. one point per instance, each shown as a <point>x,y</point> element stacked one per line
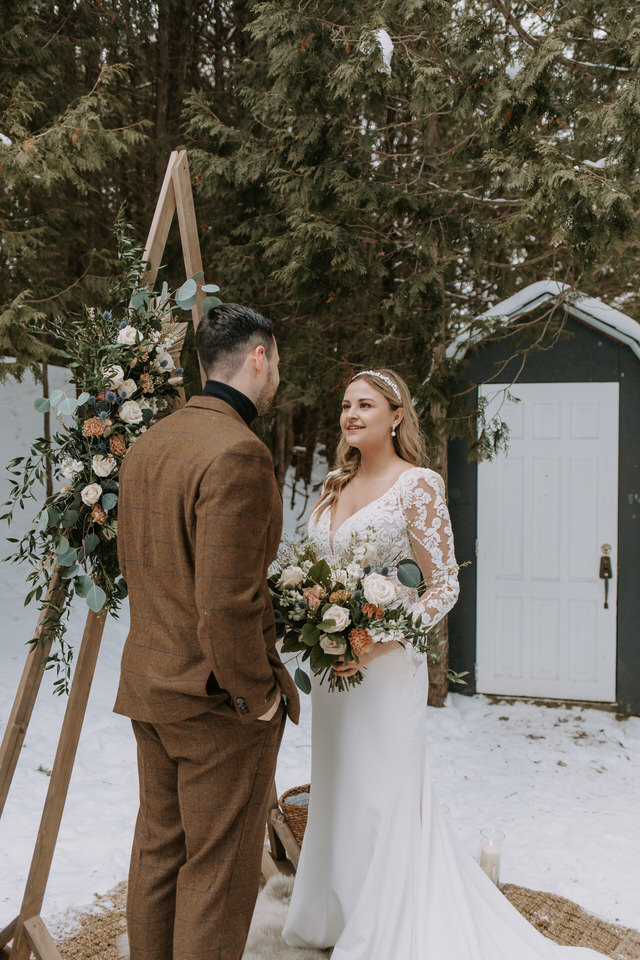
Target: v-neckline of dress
<point>333,533</point>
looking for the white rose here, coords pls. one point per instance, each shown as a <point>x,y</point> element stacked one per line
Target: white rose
<point>130,412</point>
<point>290,577</point>
<point>129,335</point>
<point>127,388</point>
<point>103,466</point>
<point>332,646</point>
<point>91,494</point>
<point>163,361</point>
<point>340,615</point>
<point>379,590</point>
<point>114,376</point>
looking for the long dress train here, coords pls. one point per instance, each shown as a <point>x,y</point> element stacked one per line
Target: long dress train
<point>381,876</point>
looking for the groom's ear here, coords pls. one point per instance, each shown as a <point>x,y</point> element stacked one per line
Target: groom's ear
<point>258,355</point>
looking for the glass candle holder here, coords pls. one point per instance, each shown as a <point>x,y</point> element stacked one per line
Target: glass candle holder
<point>490,853</point>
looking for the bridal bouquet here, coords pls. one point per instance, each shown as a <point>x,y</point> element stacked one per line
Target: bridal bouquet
<point>339,613</point>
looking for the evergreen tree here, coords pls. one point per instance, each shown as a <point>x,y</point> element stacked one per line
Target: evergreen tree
<point>399,166</point>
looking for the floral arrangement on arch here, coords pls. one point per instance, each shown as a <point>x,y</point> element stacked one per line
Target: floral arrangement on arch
<point>124,365</point>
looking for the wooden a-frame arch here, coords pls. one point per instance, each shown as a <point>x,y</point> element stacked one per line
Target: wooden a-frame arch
<point>27,931</point>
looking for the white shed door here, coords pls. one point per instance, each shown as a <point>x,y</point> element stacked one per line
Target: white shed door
<point>545,509</point>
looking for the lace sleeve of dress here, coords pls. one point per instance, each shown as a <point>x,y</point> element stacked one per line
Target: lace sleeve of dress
<point>431,538</point>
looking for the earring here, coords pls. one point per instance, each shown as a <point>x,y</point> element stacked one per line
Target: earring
<point>393,430</point>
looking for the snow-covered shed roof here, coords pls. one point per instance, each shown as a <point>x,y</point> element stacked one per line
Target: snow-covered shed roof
<point>593,312</point>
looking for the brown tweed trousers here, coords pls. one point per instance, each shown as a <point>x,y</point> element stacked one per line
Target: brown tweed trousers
<point>199,521</point>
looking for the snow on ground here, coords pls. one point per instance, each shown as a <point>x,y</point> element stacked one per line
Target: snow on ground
<point>563,783</point>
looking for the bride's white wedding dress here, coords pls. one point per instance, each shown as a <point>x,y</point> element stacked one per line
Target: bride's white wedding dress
<point>381,876</point>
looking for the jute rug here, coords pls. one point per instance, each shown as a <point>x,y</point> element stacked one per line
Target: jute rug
<point>98,933</point>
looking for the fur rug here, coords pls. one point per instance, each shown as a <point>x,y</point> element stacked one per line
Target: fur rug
<point>265,937</point>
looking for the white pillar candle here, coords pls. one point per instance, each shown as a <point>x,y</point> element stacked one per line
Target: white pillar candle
<point>490,861</point>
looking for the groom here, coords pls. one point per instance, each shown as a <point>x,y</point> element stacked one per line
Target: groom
<point>199,519</point>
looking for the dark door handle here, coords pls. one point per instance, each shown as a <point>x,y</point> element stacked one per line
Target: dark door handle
<point>605,574</point>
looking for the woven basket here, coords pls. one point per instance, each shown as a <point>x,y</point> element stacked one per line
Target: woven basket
<point>295,814</point>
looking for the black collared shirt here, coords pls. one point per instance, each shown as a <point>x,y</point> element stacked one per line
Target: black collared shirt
<point>239,401</point>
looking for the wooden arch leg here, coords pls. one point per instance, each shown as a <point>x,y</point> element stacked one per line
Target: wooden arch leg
<point>30,936</point>
<point>28,690</point>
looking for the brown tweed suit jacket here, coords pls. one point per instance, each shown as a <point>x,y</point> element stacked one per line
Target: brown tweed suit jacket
<point>199,522</point>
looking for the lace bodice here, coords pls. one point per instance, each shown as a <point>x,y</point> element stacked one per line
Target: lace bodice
<point>410,519</point>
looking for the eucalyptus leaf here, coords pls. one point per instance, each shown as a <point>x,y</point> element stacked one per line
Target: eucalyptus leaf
<point>91,542</point>
<point>210,288</point>
<point>43,522</point>
<point>165,292</point>
<point>56,397</point>
<point>84,396</point>
<point>199,275</point>
<point>83,585</point>
<point>68,406</point>
<point>186,303</point>
<point>109,501</point>
<point>139,299</point>
<point>409,573</point>
<point>96,598</point>
<point>69,558</point>
<point>73,571</point>
<point>302,680</point>
<point>62,546</point>
<point>54,516</point>
<point>188,289</point>
<point>69,518</point>
<point>210,302</point>
<point>42,404</point>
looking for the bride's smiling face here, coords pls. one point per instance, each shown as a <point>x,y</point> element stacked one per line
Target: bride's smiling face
<point>367,416</point>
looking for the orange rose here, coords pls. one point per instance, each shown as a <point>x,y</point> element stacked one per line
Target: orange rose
<point>117,446</point>
<point>93,427</point>
<point>99,514</point>
<point>360,641</point>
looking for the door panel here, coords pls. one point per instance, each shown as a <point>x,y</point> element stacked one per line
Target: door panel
<point>544,511</point>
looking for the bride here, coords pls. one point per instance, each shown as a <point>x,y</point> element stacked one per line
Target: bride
<point>381,877</point>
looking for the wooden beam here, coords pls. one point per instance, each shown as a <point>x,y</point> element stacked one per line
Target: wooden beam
<point>285,833</point>
<point>7,934</point>
<point>27,690</point>
<point>59,781</point>
<point>40,940</point>
<point>161,224</point>
<point>189,238</point>
<point>271,867</point>
<point>277,850</point>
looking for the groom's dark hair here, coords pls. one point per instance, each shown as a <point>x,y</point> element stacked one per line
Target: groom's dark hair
<point>225,335</point>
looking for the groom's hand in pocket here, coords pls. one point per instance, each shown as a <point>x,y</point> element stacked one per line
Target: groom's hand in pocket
<point>273,709</point>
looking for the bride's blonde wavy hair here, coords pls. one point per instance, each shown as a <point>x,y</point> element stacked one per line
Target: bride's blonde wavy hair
<point>408,441</point>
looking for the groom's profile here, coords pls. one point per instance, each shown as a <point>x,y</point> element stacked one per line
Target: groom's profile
<point>199,522</point>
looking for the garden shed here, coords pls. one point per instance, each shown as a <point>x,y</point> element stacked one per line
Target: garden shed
<point>550,603</point>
